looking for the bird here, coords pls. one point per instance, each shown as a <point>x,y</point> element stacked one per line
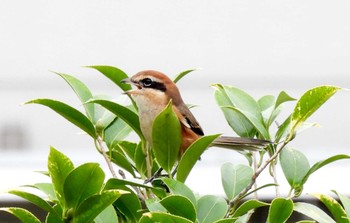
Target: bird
<point>152,93</point>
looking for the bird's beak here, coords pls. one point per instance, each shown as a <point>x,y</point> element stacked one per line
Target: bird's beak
<point>129,81</point>
<point>126,81</point>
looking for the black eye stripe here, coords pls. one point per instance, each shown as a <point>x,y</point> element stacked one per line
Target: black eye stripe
<point>148,83</point>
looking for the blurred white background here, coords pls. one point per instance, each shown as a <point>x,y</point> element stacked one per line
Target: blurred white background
<point>262,47</point>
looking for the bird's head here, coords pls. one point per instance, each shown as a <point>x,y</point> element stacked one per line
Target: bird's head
<point>152,87</point>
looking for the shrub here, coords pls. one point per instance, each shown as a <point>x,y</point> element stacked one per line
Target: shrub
<point>82,194</point>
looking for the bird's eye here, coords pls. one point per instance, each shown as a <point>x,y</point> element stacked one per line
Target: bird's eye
<point>147,82</point>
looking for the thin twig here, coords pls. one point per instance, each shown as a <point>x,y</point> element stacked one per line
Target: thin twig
<point>233,202</point>
<point>101,148</point>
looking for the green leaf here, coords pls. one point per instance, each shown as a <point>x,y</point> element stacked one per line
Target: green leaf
<point>55,217</point>
<point>283,129</point>
<point>119,159</point>
<point>182,74</point>
<point>166,138</point>
<point>211,209</point>
<point>266,102</point>
<point>295,166</point>
<point>90,208</point>
<point>227,220</point>
<point>83,93</point>
<point>235,178</point>
<point>81,183</point>
<point>310,102</point>
<point>179,188</point>
<point>47,189</point>
<point>280,210</point>
<point>22,214</point>
<point>333,207</point>
<point>322,163</point>
<point>59,167</point>
<point>180,206</point>
<point>114,74</point>
<point>140,160</point>
<point>313,212</point>
<point>71,114</point>
<point>192,155</point>
<point>128,148</point>
<point>247,206</point>
<point>118,130</point>
<point>156,217</point>
<point>127,115</point>
<point>257,123</point>
<point>38,201</point>
<point>108,215</point>
<point>345,202</point>
<point>282,98</point>
<point>128,204</point>
<point>153,205</point>
<point>246,111</point>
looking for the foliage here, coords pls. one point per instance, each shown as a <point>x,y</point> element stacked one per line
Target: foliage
<point>82,194</point>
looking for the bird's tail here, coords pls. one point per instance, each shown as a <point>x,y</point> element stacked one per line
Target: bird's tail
<point>239,143</point>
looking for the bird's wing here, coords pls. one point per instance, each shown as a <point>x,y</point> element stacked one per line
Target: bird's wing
<point>187,119</point>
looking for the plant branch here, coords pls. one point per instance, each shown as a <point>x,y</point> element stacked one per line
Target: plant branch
<point>257,173</point>
<point>102,150</point>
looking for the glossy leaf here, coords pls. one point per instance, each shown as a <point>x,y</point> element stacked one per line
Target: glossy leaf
<point>129,148</point>
<point>156,217</point>
<point>282,98</point>
<point>322,163</point>
<point>114,74</point>
<point>192,155</point>
<point>83,93</point>
<point>247,206</point>
<point>258,124</point>
<point>59,167</point>
<point>333,207</point>
<point>180,206</point>
<point>90,208</point>
<point>310,102</point>
<point>120,160</point>
<point>22,214</point>
<point>211,208</point>
<point>35,199</point>
<point>266,102</point>
<point>71,114</point>
<point>179,188</point>
<point>313,212</point>
<point>83,182</point>
<point>128,204</point>
<point>130,117</point>
<point>166,138</point>
<point>227,220</point>
<point>55,217</point>
<point>108,215</point>
<point>295,166</point>
<point>182,74</point>
<point>280,210</point>
<point>46,188</point>
<point>238,122</point>
<point>140,160</point>
<point>245,107</point>
<point>153,205</point>
<point>283,129</point>
<point>235,178</point>
<point>345,202</point>
<point>117,131</point>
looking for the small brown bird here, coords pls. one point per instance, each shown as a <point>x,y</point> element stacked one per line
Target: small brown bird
<point>153,92</point>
